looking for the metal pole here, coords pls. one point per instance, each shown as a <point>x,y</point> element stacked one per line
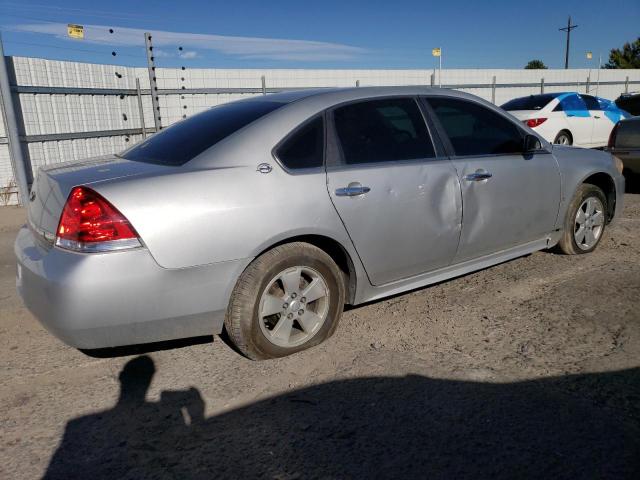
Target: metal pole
<point>493,90</point>
<point>626,85</point>
<point>440,76</point>
<point>588,81</point>
<point>264,85</point>
<point>153,86</point>
<point>567,29</point>
<point>542,85</point>
<point>15,150</point>
<point>357,83</point>
<point>599,68</point>
<point>140,109</point>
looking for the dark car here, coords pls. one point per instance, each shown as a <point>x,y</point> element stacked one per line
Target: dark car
<point>629,102</point>
<point>624,143</point>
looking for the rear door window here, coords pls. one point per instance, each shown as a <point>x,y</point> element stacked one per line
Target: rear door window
<point>573,104</point>
<point>305,147</point>
<point>183,141</point>
<point>474,129</point>
<point>532,102</point>
<point>384,130</point>
<point>591,102</point>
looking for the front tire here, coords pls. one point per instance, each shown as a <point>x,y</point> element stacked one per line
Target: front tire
<point>585,221</point>
<point>288,299</point>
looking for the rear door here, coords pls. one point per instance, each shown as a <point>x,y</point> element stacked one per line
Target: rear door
<point>509,198</point>
<point>399,200</point>
<point>578,118</point>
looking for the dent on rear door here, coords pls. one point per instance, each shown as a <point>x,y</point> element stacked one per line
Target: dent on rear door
<point>408,223</point>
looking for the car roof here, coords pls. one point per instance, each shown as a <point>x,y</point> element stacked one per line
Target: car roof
<point>333,95</point>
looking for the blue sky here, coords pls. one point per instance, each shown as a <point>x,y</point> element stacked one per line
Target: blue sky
<point>327,34</point>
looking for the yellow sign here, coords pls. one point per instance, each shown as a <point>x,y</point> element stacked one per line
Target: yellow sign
<point>589,55</point>
<point>75,31</point>
<point>436,52</point>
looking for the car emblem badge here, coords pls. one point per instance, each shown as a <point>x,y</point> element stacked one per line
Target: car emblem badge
<point>264,168</point>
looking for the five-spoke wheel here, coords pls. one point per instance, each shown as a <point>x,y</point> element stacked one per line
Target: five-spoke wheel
<point>288,299</point>
<point>585,220</point>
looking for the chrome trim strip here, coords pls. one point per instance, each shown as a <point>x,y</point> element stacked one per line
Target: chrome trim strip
<point>98,247</point>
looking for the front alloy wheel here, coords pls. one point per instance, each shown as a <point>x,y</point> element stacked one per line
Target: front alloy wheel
<point>585,221</point>
<point>589,223</point>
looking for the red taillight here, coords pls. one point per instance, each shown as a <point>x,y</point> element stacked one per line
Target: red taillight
<point>90,223</point>
<point>612,136</point>
<point>534,122</point>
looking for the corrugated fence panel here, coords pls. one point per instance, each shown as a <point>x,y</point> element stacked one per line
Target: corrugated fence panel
<point>77,112</point>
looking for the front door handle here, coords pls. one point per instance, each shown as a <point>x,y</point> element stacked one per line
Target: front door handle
<point>596,116</point>
<point>478,176</point>
<point>352,190</point>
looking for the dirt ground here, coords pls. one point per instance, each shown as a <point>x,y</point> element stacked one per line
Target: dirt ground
<point>525,370</point>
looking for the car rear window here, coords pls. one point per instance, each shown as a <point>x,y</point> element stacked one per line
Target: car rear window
<point>532,102</point>
<point>183,141</point>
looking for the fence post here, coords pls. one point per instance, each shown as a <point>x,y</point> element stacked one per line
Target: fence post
<point>493,90</point>
<point>626,85</point>
<point>433,79</point>
<point>357,83</point>
<point>140,109</point>
<point>588,83</point>
<point>541,85</point>
<point>153,86</point>
<point>264,85</point>
<point>11,121</point>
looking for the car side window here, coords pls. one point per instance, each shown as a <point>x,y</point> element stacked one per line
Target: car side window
<point>592,102</point>
<point>474,129</point>
<point>384,130</point>
<point>571,103</point>
<point>305,147</point>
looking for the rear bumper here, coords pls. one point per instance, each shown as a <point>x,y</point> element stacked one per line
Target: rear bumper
<point>121,298</point>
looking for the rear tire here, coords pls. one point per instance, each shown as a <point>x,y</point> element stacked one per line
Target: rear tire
<point>563,138</point>
<point>585,221</point>
<point>269,314</point>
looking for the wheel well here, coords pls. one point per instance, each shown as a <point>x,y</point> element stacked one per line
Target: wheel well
<point>608,186</point>
<point>336,251</point>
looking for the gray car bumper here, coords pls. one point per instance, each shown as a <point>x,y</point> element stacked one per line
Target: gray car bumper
<point>121,298</point>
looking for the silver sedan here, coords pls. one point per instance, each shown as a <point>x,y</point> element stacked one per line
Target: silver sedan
<point>266,216</point>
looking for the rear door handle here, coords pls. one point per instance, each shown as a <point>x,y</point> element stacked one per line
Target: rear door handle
<point>478,176</point>
<point>354,189</point>
<point>596,116</point>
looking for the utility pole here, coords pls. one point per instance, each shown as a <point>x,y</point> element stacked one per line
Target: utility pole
<point>567,29</point>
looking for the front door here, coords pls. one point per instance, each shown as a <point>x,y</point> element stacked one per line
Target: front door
<point>509,198</point>
<point>400,203</point>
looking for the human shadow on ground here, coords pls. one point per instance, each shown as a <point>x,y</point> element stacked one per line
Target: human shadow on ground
<point>573,427</point>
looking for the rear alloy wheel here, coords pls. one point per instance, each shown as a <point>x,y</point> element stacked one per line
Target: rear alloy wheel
<point>563,138</point>
<point>288,299</point>
<point>585,221</point>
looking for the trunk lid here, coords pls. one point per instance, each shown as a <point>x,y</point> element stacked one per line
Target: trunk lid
<point>53,183</point>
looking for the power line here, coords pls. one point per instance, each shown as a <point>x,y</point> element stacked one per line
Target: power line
<point>87,50</point>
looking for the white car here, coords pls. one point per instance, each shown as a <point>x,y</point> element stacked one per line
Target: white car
<point>568,118</point>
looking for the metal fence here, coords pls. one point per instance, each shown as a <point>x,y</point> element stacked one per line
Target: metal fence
<point>55,111</point>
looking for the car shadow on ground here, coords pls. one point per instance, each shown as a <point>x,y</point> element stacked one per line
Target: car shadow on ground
<point>581,426</point>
